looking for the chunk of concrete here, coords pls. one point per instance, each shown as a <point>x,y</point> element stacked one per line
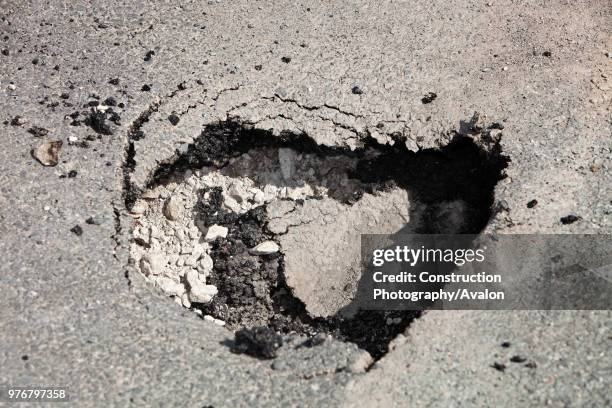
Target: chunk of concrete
<point>322,248</point>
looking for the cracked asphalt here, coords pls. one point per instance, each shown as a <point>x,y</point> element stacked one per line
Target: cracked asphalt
<point>73,313</point>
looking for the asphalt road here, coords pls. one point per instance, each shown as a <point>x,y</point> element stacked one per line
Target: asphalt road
<point>75,314</point>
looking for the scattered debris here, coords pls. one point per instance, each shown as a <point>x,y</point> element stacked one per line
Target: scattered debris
<point>146,88</point>
<point>18,121</point>
<point>174,119</point>
<point>77,230</point>
<point>547,54</point>
<point>38,131</point>
<point>429,98</point>
<point>286,60</point>
<point>506,344</point>
<point>531,364</point>
<point>532,203</point>
<point>499,366</point>
<point>569,219</point>
<point>149,55</point>
<point>113,81</point>
<point>357,90</point>
<point>97,121</point>
<point>518,359</point>
<point>48,152</point>
<point>261,342</point>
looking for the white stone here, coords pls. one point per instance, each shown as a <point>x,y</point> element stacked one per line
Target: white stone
<point>214,232</point>
<point>142,234</point>
<point>72,139</point>
<point>201,293</point>
<point>193,278</point>
<point>259,197</point>
<point>173,209</point>
<point>139,208</point>
<point>170,286</point>
<point>205,265</point>
<point>265,248</point>
<point>238,193</point>
<point>185,300</point>
<point>152,264</point>
<point>231,204</point>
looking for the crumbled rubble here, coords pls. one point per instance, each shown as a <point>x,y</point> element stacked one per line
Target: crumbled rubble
<point>185,222</point>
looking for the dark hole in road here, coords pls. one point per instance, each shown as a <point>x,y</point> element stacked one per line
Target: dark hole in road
<point>253,290</point>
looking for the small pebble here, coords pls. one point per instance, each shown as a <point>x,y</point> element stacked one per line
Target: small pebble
<point>139,208</point>
<point>265,248</point>
<point>214,232</point>
<point>357,90</point>
<point>173,209</point>
<point>77,230</point>
<point>429,98</point>
<point>48,152</point>
<point>174,119</point>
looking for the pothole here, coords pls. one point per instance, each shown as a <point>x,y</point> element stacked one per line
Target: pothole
<point>250,229</point>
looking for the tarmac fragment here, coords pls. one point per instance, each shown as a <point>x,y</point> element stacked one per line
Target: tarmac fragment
<point>77,230</point>
<point>174,119</point>
<point>47,153</point>
<point>18,121</point>
<point>518,359</point>
<point>37,131</point>
<point>569,219</point>
<point>429,98</point>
